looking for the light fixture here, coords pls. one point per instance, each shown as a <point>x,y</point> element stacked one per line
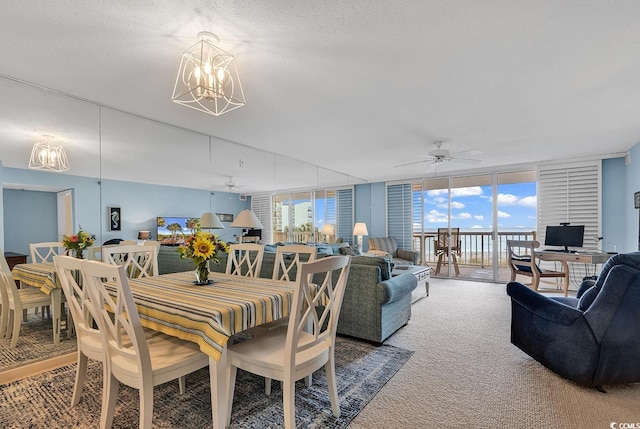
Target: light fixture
<point>360,229</point>
<point>246,219</point>
<point>208,78</point>
<point>327,230</point>
<point>48,156</point>
<point>210,221</point>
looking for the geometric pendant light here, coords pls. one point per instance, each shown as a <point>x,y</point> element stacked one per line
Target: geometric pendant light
<point>48,156</point>
<point>208,79</point>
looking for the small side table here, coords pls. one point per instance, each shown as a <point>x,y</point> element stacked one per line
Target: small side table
<point>422,273</point>
<point>14,259</point>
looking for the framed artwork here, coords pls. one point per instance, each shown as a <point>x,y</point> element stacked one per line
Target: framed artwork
<point>115,219</point>
<point>225,217</point>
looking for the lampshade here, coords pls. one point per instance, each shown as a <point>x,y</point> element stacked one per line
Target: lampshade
<point>210,221</point>
<point>144,235</point>
<point>246,219</point>
<point>208,79</point>
<point>360,228</point>
<point>327,229</point>
<point>47,156</point>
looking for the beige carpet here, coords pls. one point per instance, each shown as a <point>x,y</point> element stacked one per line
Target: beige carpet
<point>466,374</point>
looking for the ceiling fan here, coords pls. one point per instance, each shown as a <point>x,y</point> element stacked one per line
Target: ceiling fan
<point>231,184</point>
<point>439,155</point>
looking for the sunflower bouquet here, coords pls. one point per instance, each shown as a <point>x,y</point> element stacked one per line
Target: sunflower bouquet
<point>202,247</point>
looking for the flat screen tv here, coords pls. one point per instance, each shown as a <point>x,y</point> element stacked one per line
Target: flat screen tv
<point>172,229</point>
<point>564,236</point>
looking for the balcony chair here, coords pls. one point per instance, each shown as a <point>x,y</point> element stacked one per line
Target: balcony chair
<point>593,339</point>
<point>442,247</point>
<point>525,264</point>
<point>292,352</point>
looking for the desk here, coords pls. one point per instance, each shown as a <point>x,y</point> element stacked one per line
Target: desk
<point>44,276</point>
<point>209,315</point>
<point>564,258</point>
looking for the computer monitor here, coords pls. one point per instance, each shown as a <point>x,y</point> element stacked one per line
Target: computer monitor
<point>564,236</point>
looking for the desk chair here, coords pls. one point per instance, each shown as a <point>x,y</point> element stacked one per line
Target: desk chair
<point>525,264</point>
<point>442,247</point>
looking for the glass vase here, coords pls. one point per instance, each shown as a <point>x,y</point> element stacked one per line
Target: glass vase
<point>78,253</point>
<point>202,273</point>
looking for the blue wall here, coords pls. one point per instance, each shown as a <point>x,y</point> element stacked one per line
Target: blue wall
<point>613,200</point>
<point>140,205</point>
<point>631,185</point>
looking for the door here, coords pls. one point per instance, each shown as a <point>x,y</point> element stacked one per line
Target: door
<point>65,213</point>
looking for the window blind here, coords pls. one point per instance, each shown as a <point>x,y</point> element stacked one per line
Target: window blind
<point>399,214</point>
<point>344,214</point>
<point>261,206</point>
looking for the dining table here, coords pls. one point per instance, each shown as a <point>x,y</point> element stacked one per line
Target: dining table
<point>210,315</point>
<point>43,275</point>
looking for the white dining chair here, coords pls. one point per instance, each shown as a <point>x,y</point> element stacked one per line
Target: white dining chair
<point>88,337</point>
<point>292,352</point>
<point>17,300</point>
<point>245,259</point>
<point>45,251</point>
<point>138,261</point>
<point>132,359</point>
<point>289,257</point>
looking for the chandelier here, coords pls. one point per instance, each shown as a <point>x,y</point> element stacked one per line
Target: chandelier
<point>208,79</point>
<point>48,156</point>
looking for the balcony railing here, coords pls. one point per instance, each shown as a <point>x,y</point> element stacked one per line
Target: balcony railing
<point>476,247</point>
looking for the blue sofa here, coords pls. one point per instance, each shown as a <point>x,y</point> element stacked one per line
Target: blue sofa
<point>593,339</point>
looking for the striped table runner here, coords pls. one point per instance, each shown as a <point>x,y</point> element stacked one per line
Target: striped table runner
<point>41,275</point>
<point>209,315</point>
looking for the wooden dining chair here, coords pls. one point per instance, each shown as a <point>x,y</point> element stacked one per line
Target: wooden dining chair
<point>132,359</point>
<point>521,257</point>
<point>138,261</point>
<point>294,351</point>
<point>45,251</point>
<point>245,259</point>
<point>83,313</point>
<point>15,301</point>
<point>289,257</point>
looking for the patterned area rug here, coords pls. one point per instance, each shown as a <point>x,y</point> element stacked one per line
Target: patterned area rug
<point>35,343</point>
<point>43,401</point>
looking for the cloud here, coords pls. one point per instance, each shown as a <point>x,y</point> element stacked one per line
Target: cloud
<point>470,191</point>
<point>503,214</point>
<point>434,216</point>
<point>479,217</point>
<point>477,226</point>
<point>531,201</point>
<point>457,205</point>
<point>507,200</point>
<point>463,216</point>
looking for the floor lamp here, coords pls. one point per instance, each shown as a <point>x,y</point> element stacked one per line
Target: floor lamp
<point>246,219</point>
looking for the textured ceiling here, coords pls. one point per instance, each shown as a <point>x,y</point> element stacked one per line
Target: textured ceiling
<point>353,87</point>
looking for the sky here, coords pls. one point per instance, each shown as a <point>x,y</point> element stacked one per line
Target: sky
<point>472,207</point>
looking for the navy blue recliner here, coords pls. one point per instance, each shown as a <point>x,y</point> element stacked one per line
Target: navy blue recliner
<point>593,339</point>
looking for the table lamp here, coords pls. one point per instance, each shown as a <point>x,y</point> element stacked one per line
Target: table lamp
<point>144,235</point>
<point>246,219</point>
<point>210,221</point>
<point>360,229</point>
<point>327,230</point>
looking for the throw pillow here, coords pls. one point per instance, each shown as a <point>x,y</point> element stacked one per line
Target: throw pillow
<point>350,251</point>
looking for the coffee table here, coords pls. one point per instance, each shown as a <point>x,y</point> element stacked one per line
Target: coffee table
<point>421,273</point>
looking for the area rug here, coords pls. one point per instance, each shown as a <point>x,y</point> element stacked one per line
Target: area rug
<point>43,401</point>
<point>35,343</point>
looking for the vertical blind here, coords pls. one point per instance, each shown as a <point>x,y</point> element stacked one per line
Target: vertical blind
<point>399,215</point>
<point>344,213</point>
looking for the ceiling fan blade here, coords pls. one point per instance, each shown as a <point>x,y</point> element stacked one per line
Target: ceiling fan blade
<point>413,163</point>
<point>470,152</point>
<point>466,160</point>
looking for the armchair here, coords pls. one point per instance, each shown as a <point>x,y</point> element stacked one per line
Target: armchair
<point>593,339</point>
<point>382,246</point>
